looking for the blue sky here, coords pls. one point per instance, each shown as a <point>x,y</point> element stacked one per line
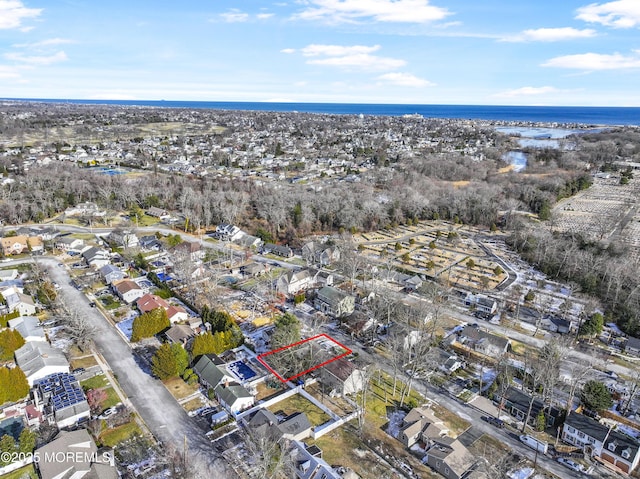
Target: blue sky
<point>509,52</point>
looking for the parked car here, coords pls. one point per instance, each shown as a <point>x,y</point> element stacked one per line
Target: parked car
<point>533,443</point>
<point>78,371</point>
<point>494,421</point>
<point>574,466</point>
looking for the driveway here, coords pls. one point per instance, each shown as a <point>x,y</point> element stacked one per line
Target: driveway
<point>166,419</point>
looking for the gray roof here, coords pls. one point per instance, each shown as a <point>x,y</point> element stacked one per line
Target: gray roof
<point>632,343</point>
<point>334,295</point>
<point>27,326</point>
<point>36,355</point>
<point>208,370</point>
<point>66,442</point>
<point>231,393</point>
<point>599,432</point>
<point>310,465</point>
<point>476,334</point>
<point>454,454</point>
<point>179,333</point>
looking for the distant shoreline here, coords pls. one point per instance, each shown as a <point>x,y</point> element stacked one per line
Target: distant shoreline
<point>566,115</point>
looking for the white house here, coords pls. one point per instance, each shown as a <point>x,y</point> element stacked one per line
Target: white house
<point>29,328</point>
<point>617,449</point>
<point>128,290</point>
<point>234,397</point>
<point>39,359</point>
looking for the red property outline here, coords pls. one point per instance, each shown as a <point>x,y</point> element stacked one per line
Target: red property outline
<point>271,370</point>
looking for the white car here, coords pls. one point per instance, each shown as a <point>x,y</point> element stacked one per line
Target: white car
<point>574,466</point>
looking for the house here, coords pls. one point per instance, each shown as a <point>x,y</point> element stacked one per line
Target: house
<point>211,371</point>
<point>17,301</point>
<point>413,283</point>
<point>85,209</point>
<point>254,269</point>
<point>29,328</point>
<point>39,359</point>
<point>516,403</point>
<point>481,341</point>
<point>96,257</point>
<point>123,238</point>
<point>483,304</point>
<point>449,458</point>
<point>309,463</point>
<point>111,274</point>
<point>447,362</point>
<point>421,425</point>
<point>248,241</point>
<point>61,399</point>
<point>128,290</point>
<point>558,325</point>
<point>319,253</point>
<point>150,243</point>
<point>612,447</point>
<point>68,243</point>
<point>227,232</point>
<point>158,213</point>
<point>179,334</point>
<point>278,250</point>
<point>321,278</point>
<point>334,302</point>
<point>149,302</point>
<point>15,245</point>
<point>632,346</point>
<point>233,397</point>
<point>8,275</point>
<point>292,282</point>
<point>74,454</point>
<point>191,249</point>
<point>294,427</point>
<point>343,376</point>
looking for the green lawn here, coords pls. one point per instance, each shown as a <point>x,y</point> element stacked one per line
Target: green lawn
<point>85,362</point>
<point>116,435</point>
<point>109,302</point>
<point>381,397</point>
<point>95,382</point>
<point>297,403</point>
<point>112,398</point>
<point>23,472</point>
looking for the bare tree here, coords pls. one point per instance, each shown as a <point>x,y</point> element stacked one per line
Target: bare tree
<point>269,456</point>
<point>80,330</point>
<point>579,374</point>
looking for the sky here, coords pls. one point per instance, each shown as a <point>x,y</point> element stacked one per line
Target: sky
<point>478,52</point>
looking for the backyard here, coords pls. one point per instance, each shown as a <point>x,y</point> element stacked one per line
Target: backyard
<point>297,403</point>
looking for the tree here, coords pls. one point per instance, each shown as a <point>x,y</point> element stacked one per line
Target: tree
<point>269,457</point>
<point>149,324</point>
<point>541,421</point>
<point>10,341</point>
<point>170,360</point>
<point>595,396</point>
<point>95,398</point>
<point>7,448</point>
<point>471,263</point>
<point>27,441</point>
<point>80,329</point>
<point>592,326</point>
<point>13,384</point>
<point>203,344</point>
<point>530,296</point>
<point>287,331</point>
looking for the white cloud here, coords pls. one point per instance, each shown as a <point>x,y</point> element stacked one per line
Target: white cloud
<point>234,16</point>
<point>37,60</point>
<point>44,43</point>
<point>551,35</point>
<point>264,16</point>
<point>354,56</point>
<point>360,60</point>
<point>527,91</point>
<point>404,79</point>
<point>617,14</point>
<point>314,50</point>
<point>8,72</point>
<point>400,11</point>
<point>288,51</point>
<point>596,61</point>
<point>12,12</point>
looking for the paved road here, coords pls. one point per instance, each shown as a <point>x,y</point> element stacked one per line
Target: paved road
<point>156,406</point>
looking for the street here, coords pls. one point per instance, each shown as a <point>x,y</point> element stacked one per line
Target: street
<point>162,414</point>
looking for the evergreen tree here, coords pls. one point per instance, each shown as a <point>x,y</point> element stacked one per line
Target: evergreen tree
<point>287,330</point>
<point>181,356</point>
<point>163,363</point>
<point>7,447</point>
<point>10,340</point>
<point>13,384</point>
<point>27,441</point>
<point>203,344</point>
<point>592,326</point>
<point>595,396</point>
<point>149,324</point>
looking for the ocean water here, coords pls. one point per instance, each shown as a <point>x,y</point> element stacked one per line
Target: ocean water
<point>537,114</point>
